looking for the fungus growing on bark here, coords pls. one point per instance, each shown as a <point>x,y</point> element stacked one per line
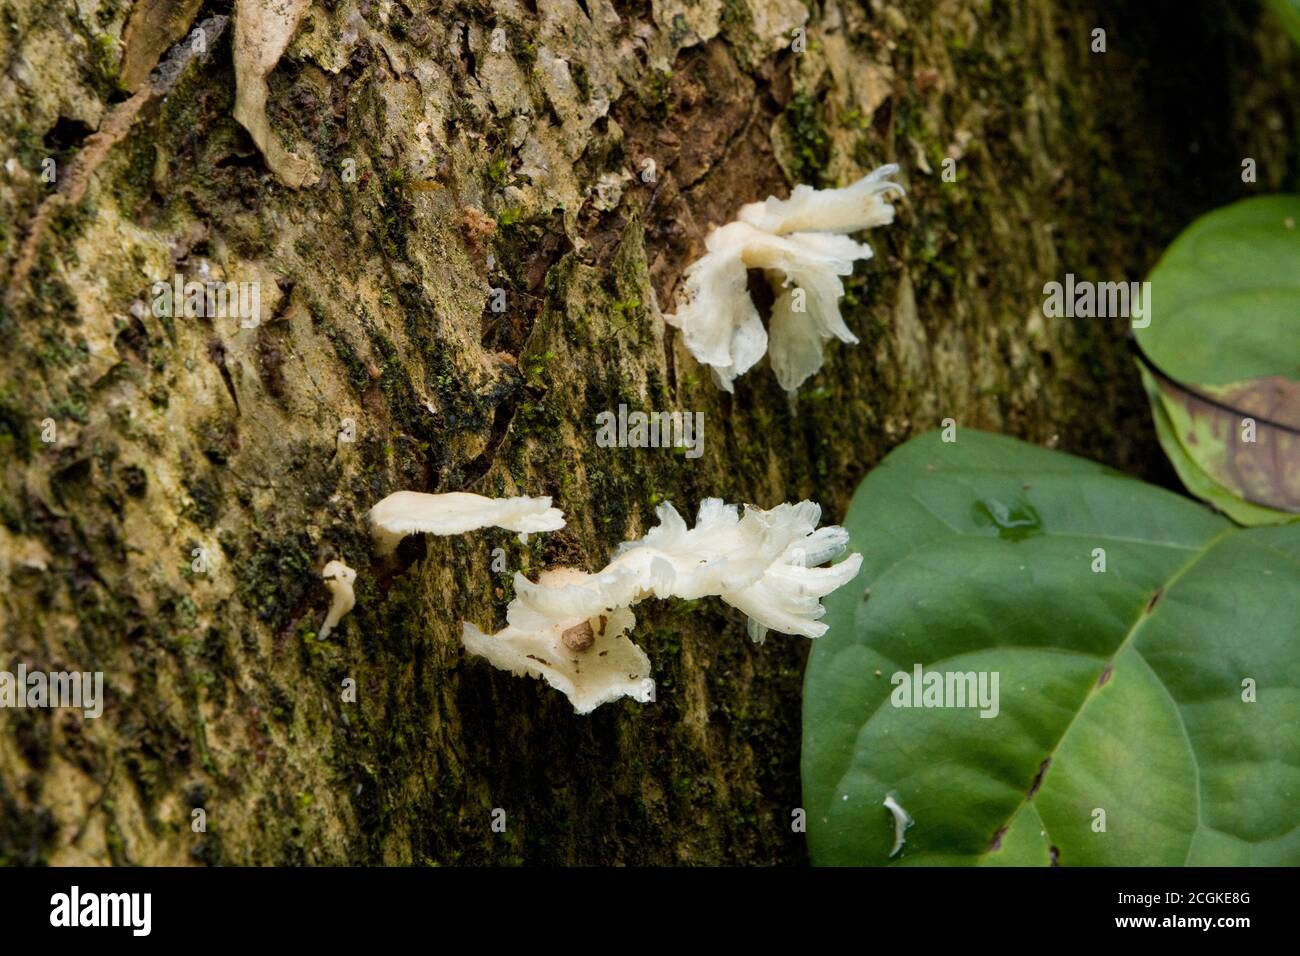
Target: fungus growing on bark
<point>338,578</point>
<point>413,512</point>
<point>801,246</point>
<point>863,205</point>
<point>590,660</point>
<point>761,562</point>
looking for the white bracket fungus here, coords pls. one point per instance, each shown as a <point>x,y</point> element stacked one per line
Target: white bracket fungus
<point>563,627</point>
<point>801,245</point>
<point>412,512</point>
<point>589,660</point>
<point>338,578</point>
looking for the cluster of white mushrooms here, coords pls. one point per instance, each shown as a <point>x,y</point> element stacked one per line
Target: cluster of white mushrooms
<point>571,627</point>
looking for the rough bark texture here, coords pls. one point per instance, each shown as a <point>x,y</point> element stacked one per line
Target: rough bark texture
<point>516,164</point>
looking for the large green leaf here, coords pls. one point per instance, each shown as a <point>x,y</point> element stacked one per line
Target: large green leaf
<point>1226,296</point>
<point>1119,690</point>
<point>1289,11</point>
<point>1223,354</point>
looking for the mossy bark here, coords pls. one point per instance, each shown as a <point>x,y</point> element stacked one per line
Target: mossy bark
<point>469,147</point>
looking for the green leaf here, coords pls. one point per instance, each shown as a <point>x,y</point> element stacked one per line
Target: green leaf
<point>1223,358</point>
<point>1289,11</point>
<point>1198,482</point>
<point>1226,294</point>
<point>1118,690</point>
<point>1254,482</point>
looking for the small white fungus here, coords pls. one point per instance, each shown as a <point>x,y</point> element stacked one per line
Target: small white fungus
<point>762,563</point>
<point>413,512</point>
<point>338,578</point>
<point>801,246</point>
<point>590,660</point>
<point>864,205</point>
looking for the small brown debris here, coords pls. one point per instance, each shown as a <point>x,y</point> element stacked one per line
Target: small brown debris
<point>926,79</point>
<point>477,225</point>
<point>580,637</point>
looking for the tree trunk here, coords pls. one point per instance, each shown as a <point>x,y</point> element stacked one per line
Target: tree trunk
<point>467,147</point>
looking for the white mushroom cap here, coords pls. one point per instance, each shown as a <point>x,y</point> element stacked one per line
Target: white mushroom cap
<point>762,562</point>
<point>610,668</point>
<point>800,243</point>
<point>338,578</point>
<point>862,205</point>
<point>719,323</point>
<point>412,512</point>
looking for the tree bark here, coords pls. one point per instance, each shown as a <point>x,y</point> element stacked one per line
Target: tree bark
<point>467,147</point>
